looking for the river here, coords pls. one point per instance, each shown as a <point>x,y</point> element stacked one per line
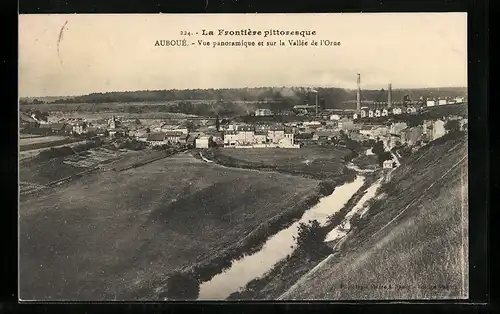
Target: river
<point>276,247</point>
<point>342,230</point>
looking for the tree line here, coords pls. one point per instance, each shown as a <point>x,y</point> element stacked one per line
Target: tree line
<point>328,97</point>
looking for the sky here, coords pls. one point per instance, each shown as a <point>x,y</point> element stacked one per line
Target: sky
<point>76,54</point>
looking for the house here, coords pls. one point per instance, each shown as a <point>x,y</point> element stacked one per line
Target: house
<point>26,120</point>
<point>139,133</point>
<point>371,113</point>
<point>442,102</point>
<point>335,117</point>
<point>276,133</point>
<point>430,103</point>
<point>411,109</point>
<point>388,164</point>
<point>156,139</point>
<point>397,110</point>
<point>79,128</point>
<point>231,127</point>
<point>364,112</point>
<point>311,126</point>
<point>246,135</point>
<point>346,124</point>
<point>325,135</point>
<point>183,138</point>
<point>260,137</point>
<point>438,129</point>
<point>121,132</point>
<point>412,136</point>
<point>173,136</point>
<point>378,113</point>
<point>385,112</point>
<point>203,142</point>
<point>355,116</point>
<point>263,112</point>
<point>171,128</point>
<point>231,138</point>
<point>397,127</point>
<point>56,127</point>
<point>288,141</point>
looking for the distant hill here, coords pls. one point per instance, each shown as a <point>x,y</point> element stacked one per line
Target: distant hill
<point>271,97</point>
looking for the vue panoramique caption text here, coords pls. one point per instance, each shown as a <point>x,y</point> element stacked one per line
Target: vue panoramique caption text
<point>246,38</point>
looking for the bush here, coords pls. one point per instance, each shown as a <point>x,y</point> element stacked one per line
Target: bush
<point>311,238</point>
<point>181,286</point>
<point>452,126</point>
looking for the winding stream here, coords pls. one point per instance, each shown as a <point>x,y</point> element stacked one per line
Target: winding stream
<point>341,230</point>
<point>278,246</point>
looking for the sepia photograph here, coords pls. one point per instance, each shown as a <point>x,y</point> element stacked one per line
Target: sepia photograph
<point>172,157</point>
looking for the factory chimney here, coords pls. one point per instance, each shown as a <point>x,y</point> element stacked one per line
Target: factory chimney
<point>389,96</point>
<point>358,94</point>
<point>317,104</point>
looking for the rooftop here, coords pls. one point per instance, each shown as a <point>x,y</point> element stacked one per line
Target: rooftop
<point>246,128</point>
<point>173,133</point>
<point>156,136</point>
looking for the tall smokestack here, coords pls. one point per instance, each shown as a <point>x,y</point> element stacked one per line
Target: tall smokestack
<point>358,94</point>
<point>316,104</point>
<point>389,96</point>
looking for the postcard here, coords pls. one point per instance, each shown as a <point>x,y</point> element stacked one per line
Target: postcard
<point>243,157</point>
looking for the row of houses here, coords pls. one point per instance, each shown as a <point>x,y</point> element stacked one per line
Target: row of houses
<point>444,101</point>
<point>243,136</point>
<point>266,136</point>
<point>366,112</point>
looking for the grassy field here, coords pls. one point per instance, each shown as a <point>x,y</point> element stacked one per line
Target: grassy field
<point>37,140</point>
<point>120,234</point>
<point>315,162</point>
<point>46,171</point>
<point>366,162</point>
<point>413,243</point>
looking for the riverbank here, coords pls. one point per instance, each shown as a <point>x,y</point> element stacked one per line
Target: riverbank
<point>289,270</point>
<point>220,261</point>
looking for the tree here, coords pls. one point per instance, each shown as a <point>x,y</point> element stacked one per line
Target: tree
<point>383,157</point>
<point>137,121</point>
<point>181,286</point>
<point>311,237</point>
<point>217,123</point>
<point>452,126</point>
<point>378,148</point>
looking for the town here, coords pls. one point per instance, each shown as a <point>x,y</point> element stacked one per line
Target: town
<point>402,126</point>
<point>279,172</point>
<point>303,152</point>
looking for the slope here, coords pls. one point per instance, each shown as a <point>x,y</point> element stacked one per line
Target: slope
<point>413,243</point>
